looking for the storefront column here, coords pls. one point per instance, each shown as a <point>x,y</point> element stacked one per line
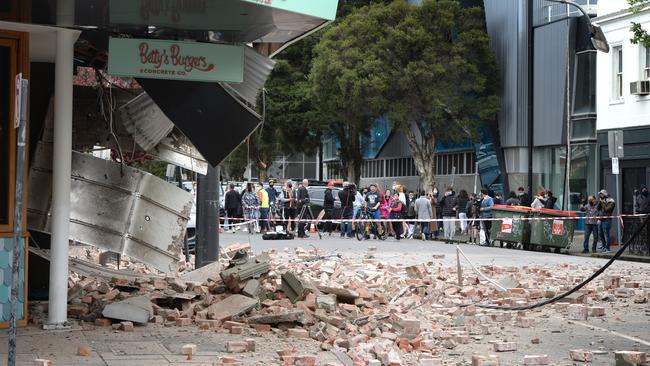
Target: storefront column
<point>61,169</point>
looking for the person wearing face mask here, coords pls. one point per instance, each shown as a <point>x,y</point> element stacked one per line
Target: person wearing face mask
<point>591,223</point>
<point>606,205</point>
<point>524,198</point>
<point>643,207</point>
<point>540,200</point>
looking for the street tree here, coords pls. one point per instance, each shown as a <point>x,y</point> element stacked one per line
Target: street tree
<point>349,80</point>
<point>639,34</point>
<point>442,76</point>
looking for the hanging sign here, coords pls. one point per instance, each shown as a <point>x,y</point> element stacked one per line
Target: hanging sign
<point>615,169</point>
<point>175,60</point>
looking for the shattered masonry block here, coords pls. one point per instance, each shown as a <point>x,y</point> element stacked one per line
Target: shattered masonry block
<point>581,355</point>
<point>183,322</point>
<point>188,349</point>
<point>630,358</point>
<point>126,326</point>
<point>596,311</point>
<point>237,347</point>
<point>262,327</point>
<point>481,360</point>
<point>525,322</point>
<point>530,360</point>
<point>304,360</point>
<point>236,329</point>
<point>577,312</point>
<point>297,333</point>
<point>505,346</point>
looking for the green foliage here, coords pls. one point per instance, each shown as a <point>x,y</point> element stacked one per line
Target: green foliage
<point>235,164</point>
<point>639,35</point>
<point>442,70</point>
<point>154,167</point>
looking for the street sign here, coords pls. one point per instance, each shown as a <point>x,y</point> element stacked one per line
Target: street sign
<point>615,169</point>
<point>615,144</point>
<point>175,60</point>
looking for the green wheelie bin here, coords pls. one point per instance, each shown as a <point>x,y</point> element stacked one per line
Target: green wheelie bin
<point>554,230</point>
<point>507,229</point>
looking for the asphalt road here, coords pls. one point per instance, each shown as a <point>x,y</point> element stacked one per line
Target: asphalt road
<point>410,251</point>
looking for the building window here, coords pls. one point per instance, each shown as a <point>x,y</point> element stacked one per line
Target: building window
<point>646,63</point>
<point>5,135</point>
<point>617,92</point>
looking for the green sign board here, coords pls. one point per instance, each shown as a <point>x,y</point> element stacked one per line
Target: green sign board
<point>174,60</point>
<point>324,9</point>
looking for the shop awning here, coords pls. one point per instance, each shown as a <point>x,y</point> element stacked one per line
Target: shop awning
<point>214,120</point>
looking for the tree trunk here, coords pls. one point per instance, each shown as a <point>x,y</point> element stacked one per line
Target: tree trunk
<point>262,173</point>
<point>424,157</point>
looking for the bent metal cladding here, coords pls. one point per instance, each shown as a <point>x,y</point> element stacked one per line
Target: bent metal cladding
<point>175,60</point>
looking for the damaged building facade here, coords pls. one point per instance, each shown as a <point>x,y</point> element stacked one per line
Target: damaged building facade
<point>171,80</point>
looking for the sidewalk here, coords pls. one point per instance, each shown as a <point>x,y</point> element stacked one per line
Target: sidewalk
<point>576,249</point>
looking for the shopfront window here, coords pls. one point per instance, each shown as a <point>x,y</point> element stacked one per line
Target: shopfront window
<point>549,164</point>
<point>5,134</point>
<point>585,88</point>
<point>582,179</point>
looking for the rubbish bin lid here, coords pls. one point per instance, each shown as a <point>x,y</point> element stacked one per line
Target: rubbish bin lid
<point>560,213</point>
<point>512,208</point>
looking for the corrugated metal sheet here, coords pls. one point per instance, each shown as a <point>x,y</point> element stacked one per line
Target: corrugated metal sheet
<point>507,24</point>
<point>116,208</point>
<point>257,69</point>
<point>552,43</point>
<point>146,123</point>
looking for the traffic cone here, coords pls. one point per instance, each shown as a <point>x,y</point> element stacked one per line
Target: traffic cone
<point>312,228</point>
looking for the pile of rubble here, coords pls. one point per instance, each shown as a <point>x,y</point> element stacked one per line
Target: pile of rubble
<point>364,311</point>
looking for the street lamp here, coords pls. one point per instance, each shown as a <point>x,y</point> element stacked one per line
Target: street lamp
<point>598,39</point>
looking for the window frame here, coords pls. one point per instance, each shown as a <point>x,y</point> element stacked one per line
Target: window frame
<point>617,72</point>
<point>645,70</point>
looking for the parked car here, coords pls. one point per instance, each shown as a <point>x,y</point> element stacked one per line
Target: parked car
<point>316,197</point>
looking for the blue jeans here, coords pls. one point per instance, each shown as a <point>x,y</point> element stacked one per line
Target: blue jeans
<point>346,226</point>
<point>375,215</point>
<point>264,216</point>
<point>425,229</point>
<point>605,229</point>
<point>590,229</point>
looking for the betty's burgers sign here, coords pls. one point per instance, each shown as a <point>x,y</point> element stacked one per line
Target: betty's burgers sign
<point>174,60</point>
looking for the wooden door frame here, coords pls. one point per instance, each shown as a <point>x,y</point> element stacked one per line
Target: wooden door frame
<point>19,44</point>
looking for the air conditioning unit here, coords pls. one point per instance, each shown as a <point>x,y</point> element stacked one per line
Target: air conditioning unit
<point>640,87</point>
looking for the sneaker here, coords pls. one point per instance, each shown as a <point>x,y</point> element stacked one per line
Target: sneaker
<point>585,251</point>
<point>605,250</point>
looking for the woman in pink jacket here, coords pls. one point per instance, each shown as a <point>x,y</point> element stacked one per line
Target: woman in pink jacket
<point>396,214</point>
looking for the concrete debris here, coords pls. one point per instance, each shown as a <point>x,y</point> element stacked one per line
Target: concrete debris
<point>630,358</point>
<point>364,311</point>
<point>135,309</point>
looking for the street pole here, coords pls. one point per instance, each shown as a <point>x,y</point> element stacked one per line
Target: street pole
<point>531,81</point>
<point>22,87</point>
<point>567,183</point>
<point>207,220</point>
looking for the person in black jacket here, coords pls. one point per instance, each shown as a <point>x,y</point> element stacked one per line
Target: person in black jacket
<point>232,205</point>
<point>448,205</point>
<point>550,200</point>
<point>328,206</point>
<point>303,200</point>
<point>524,198</point>
<point>347,196</point>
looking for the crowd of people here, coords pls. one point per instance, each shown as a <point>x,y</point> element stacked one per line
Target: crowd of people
<point>405,214</point>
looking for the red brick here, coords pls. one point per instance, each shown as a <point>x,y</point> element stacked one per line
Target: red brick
<point>262,327</point>
<point>236,329</point>
<point>531,360</point>
<point>102,322</point>
<point>236,347</point>
<point>297,333</point>
<point>183,322</point>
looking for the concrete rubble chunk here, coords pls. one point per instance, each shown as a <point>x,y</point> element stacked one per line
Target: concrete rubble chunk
<point>204,274</point>
<point>581,355</point>
<point>290,317</point>
<point>577,312</point>
<point>531,360</point>
<point>488,360</point>
<point>342,294</point>
<point>505,346</point>
<point>136,309</point>
<point>293,287</point>
<point>326,302</point>
<point>630,358</point>
<point>252,288</point>
<point>188,349</point>
<point>233,305</point>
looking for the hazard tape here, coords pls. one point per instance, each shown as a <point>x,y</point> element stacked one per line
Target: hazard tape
<point>576,218</point>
